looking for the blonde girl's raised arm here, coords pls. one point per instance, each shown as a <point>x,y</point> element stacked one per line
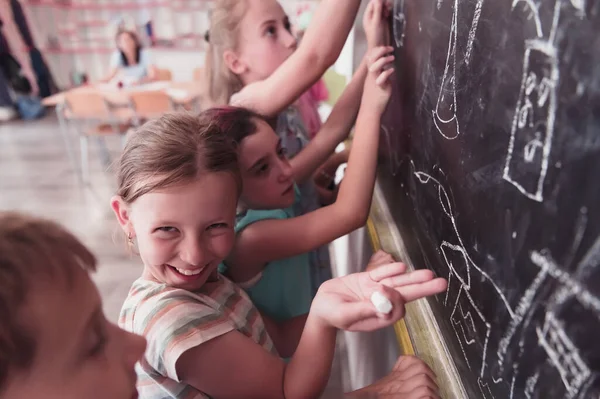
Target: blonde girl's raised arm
<point>319,49</point>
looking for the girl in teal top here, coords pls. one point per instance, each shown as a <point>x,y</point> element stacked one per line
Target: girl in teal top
<point>282,289</point>
<point>268,230</point>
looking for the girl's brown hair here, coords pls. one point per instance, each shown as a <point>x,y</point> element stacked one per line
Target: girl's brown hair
<point>225,19</point>
<point>138,46</point>
<point>174,149</point>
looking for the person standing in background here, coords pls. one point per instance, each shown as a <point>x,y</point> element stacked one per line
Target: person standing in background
<point>131,63</point>
<point>16,46</point>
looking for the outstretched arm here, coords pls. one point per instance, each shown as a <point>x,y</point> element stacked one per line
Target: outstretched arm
<point>320,47</point>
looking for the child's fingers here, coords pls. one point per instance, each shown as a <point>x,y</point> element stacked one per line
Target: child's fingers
<point>419,381</point>
<point>387,271</point>
<point>378,52</point>
<point>409,366</point>
<point>415,277</point>
<point>384,76</point>
<point>378,64</point>
<point>378,9</point>
<point>420,290</point>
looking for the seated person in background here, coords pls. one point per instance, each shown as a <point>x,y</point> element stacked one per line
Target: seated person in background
<point>55,342</point>
<point>130,64</point>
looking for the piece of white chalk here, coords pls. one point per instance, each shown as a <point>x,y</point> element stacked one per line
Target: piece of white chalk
<point>381,303</point>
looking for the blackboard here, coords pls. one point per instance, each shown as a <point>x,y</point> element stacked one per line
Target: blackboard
<point>491,170</point>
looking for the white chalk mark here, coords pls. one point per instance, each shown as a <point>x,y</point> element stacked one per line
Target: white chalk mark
<point>580,6</point>
<point>445,247</point>
<point>399,23</point>
<point>530,385</point>
<point>514,378</point>
<point>583,295</point>
<point>535,14</point>
<point>533,123</point>
<point>450,122</point>
<point>485,389</point>
<point>592,256</point>
<point>521,311</point>
<point>530,148</point>
<point>448,288</point>
<point>555,17</point>
<point>563,354</point>
<point>473,31</point>
<point>456,321</point>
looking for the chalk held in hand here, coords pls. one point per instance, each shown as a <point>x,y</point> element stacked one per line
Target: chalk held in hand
<point>381,303</point>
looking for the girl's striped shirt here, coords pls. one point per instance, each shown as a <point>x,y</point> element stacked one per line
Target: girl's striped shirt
<point>174,320</point>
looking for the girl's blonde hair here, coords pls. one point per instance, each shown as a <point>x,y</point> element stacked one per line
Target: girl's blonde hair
<point>226,17</point>
<point>174,149</point>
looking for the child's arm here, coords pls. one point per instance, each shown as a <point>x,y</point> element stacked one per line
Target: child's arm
<point>319,49</point>
<point>334,130</point>
<point>233,366</point>
<point>285,334</point>
<point>342,118</point>
<point>272,239</point>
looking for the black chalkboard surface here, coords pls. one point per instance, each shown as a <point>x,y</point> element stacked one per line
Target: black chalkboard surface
<point>491,168</point>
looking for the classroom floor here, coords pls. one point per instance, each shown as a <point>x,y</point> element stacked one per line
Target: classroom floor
<point>37,177</point>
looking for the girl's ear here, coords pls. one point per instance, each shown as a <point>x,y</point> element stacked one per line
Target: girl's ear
<point>234,63</point>
<point>123,214</point>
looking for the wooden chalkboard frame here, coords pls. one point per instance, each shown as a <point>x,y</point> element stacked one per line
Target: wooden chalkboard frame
<point>418,333</point>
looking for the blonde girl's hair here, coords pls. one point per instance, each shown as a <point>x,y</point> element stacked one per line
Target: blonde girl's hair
<point>225,19</point>
<point>174,149</point>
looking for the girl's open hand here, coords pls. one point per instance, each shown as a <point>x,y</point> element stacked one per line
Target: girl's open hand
<point>345,302</point>
<point>378,87</point>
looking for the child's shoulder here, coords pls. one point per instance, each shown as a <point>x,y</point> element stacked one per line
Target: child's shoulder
<point>150,303</point>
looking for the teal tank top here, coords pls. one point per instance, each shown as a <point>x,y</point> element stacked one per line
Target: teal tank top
<point>284,290</point>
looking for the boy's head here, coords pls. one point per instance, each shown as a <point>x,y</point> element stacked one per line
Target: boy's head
<point>54,339</point>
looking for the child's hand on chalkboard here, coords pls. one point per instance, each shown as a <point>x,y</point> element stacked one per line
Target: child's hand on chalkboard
<point>379,258</point>
<point>375,23</point>
<point>411,378</point>
<point>378,88</point>
<point>346,302</point>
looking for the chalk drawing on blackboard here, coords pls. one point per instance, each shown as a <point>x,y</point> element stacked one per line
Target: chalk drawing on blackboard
<point>563,354</point>
<point>473,31</point>
<point>521,311</point>
<point>399,23</point>
<point>485,389</point>
<point>533,124</point>
<point>575,289</point>
<point>530,385</point>
<point>534,14</point>
<point>444,114</point>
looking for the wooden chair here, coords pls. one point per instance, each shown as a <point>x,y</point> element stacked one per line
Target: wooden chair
<point>163,74</point>
<point>149,105</point>
<point>92,115</point>
<point>199,74</point>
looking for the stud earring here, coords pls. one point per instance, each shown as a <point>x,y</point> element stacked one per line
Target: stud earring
<point>130,239</point>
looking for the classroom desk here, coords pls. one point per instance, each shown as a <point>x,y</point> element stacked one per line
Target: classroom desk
<point>181,92</point>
